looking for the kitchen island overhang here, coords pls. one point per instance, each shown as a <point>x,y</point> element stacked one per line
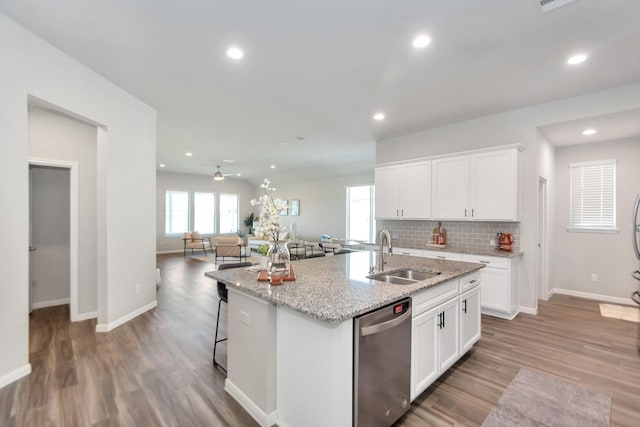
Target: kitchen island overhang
<point>290,349</point>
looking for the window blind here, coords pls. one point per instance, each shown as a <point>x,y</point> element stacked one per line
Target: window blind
<point>593,195</point>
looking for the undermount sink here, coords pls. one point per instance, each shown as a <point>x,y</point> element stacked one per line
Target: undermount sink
<point>408,273</point>
<point>404,276</point>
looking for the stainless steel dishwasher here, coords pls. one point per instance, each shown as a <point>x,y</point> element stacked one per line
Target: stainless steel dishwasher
<point>382,365</point>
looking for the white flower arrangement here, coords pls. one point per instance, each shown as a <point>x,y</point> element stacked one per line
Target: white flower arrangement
<point>269,222</point>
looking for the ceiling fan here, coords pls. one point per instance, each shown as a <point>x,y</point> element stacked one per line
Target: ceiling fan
<point>219,176</point>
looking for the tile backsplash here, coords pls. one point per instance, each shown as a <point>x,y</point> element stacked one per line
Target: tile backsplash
<point>460,234</point>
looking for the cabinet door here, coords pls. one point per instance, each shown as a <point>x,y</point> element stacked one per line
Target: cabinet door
<point>450,188</point>
<point>469,318</point>
<point>449,334</point>
<point>495,289</point>
<point>493,185</point>
<point>387,199</point>
<point>415,190</point>
<point>424,351</point>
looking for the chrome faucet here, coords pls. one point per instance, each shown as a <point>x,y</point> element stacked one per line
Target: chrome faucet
<point>384,235</point>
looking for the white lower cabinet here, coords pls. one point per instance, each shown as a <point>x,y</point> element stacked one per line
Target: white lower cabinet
<point>437,328</point>
<point>500,295</point>
<point>469,318</point>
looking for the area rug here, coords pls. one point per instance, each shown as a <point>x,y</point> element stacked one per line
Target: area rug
<point>536,399</point>
<point>622,312</point>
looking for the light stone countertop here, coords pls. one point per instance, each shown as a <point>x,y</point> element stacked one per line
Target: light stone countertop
<point>475,251</point>
<point>335,288</point>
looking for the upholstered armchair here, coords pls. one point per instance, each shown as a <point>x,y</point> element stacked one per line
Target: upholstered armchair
<point>230,246</point>
<point>194,241</point>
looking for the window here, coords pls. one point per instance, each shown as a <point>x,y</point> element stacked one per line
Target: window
<point>177,212</point>
<point>228,213</point>
<point>204,205</point>
<point>593,196</point>
<point>361,223</point>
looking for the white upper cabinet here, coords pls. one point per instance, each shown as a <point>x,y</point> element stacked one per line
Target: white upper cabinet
<point>493,186</point>
<point>480,187</point>
<point>404,191</point>
<point>450,188</point>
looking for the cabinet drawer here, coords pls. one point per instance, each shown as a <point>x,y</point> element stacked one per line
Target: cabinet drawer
<point>434,296</point>
<point>490,261</point>
<point>469,281</point>
<point>441,255</point>
<point>408,251</point>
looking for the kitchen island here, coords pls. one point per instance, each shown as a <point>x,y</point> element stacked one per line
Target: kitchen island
<point>290,351</point>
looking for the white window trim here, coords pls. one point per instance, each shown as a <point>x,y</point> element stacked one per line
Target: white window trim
<point>571,228</point>
<point>372,226</point>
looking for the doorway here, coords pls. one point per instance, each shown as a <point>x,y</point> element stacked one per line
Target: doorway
<point>53,234</point>
<point>542,277</point>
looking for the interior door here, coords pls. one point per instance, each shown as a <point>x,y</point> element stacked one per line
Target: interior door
<point>49,233</point>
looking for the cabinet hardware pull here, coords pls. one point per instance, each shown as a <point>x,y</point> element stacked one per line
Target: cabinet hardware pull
<point>401,212</point>
<point>397,212</point>
<point>472,212</point>
<point>465,212</point>
<point>443,325</point>
<point>465,306</point>
<point>472,281</point>
<point>441,257</point>
<point>485,262</point>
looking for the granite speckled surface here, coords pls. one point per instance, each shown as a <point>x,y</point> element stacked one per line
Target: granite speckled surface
<point>335,288</point>
<point>475,251</point>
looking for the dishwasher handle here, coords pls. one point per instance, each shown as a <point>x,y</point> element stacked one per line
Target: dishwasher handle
<point>381,327</point>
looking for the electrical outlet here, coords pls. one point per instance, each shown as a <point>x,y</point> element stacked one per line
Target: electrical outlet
<point>492,242</point>
<point>137,288</point>
<point>594,277</point>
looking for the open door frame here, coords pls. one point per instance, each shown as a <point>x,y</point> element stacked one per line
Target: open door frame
<point>73,226</point>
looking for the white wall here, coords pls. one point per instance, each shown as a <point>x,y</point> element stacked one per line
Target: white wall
<point>197,183</point>
<point>323,204</point>
<point>50,275</point>
<point>58,137</point>
<point>126,184</point>
<point>610,256</point>
<point>516,126</point>
<point>546,165</point>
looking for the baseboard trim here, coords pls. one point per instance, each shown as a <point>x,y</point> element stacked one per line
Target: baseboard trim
<point>589,295</point>
<point>50,303</point>
<point>101,327</point>
<point>15,375</point>
<point>176,251</point>
<point>86,316</point>
<point>262,418</point>
<point>529,310</point>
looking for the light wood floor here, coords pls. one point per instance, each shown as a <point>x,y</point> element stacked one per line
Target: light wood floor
<point>156,370</point>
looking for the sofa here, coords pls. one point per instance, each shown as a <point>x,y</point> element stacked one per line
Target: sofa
<point>254,242</point>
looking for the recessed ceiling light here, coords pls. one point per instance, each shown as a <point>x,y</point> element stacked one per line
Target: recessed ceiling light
<point>235,53</point>
<point>421,41</point>
<point>577,59</point>
<point>162,165</point>
<point>229,161</point>
<point>588,132</point>
<point>378,116</point>
<point>188,154</point>
<point>238,174</point>
<point>272,166</point>
<point>284,143</point>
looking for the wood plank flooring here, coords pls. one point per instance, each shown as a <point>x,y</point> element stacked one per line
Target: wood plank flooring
<point>156,370</point>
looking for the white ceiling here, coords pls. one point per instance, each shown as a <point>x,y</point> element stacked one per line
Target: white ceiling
<point>320,69</point>
<point>609,127</point>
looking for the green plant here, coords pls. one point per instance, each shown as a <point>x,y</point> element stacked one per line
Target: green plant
<point>248,222</point>
<point>263,249</point>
